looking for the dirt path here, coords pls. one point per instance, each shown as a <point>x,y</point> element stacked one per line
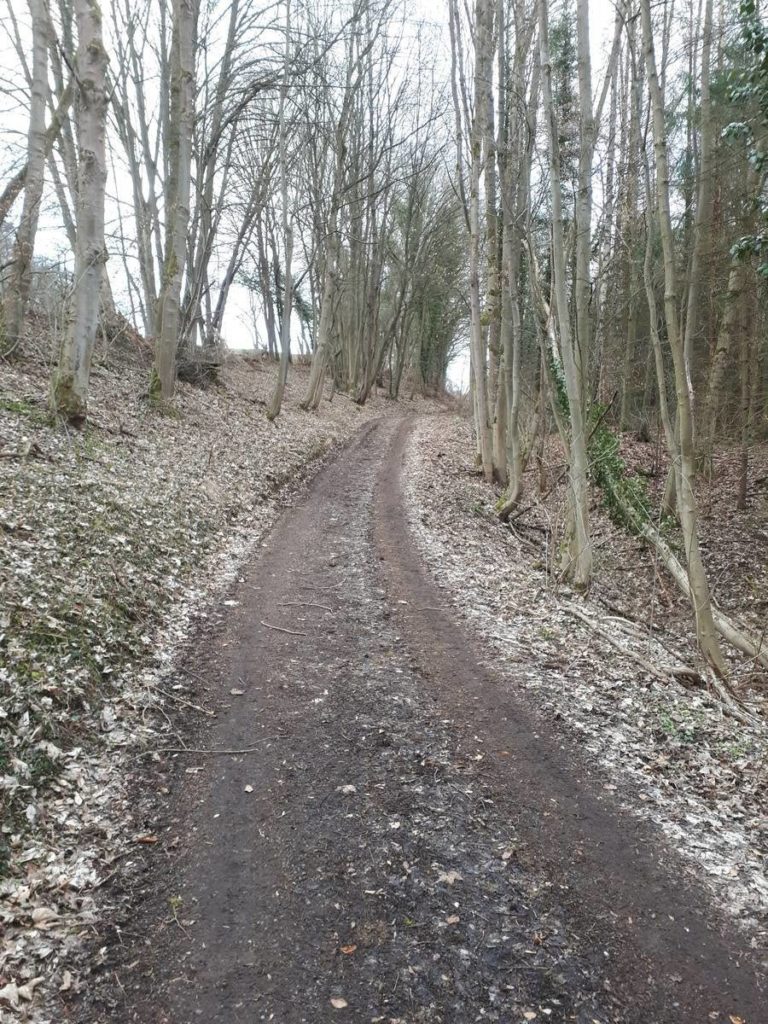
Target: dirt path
<point>401,843</point>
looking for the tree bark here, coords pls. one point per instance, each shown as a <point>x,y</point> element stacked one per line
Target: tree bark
<point>69,392</point>
<point>578,567</point>
<point>177,196</point>
<point>19,283</point>
<point>685,470</point>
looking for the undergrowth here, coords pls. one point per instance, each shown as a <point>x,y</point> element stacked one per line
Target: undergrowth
<point>624,494</point>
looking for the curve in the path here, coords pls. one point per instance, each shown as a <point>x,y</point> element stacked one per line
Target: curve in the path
<point>667,951</point>
<point>398,844</point>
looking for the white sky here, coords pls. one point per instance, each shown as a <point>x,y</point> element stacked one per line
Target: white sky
<point>241,330</point>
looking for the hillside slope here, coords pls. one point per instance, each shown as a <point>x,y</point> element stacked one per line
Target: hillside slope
<point>114,542</point>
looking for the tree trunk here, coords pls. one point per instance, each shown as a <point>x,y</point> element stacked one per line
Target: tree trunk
<point>18,286</point>
<point>478,348</point>
<point>685,473</point>
<point>177,198</point>
<point>579,556</point>
<point>285,324</point>
<point>702,225</point>
<point>583,283</point>
<point>69,394</point>
<point>749,382</point>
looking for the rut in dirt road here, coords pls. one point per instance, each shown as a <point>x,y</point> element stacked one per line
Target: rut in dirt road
<point>397,844</point>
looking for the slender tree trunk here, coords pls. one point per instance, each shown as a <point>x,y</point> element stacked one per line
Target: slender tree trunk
<point>727,337</point>
<point>18,285</point>
<point>483,66</point>
<point>583,284</point>
<point>492,312</point>
<point>686,499</point>
<point>177,200</point>
<point>69,394</point>
<point>579,563</point>
<point>702,225</point>
<point>285,324</point>
<point>749,383</point>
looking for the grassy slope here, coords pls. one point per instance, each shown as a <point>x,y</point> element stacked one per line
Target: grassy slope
<point>110,538</point>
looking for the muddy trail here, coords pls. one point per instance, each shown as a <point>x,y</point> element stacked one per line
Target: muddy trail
<point>375,828</point>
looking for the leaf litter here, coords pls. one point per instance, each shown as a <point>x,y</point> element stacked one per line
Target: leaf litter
<point>117,542</point>
<point>669,753</point>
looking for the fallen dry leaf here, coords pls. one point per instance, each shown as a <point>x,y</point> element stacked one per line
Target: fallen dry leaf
<point>10,994</point>
<point>27,991</point>
<point>44,917</point>
<point>338,1003</point>
<point>449,877</point>
<point>348,949</point>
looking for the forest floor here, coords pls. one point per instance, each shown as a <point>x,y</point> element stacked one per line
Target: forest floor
<point>376,827</point>
<point>379,773</point>
<point>116,545</point>
<point>665,747</point>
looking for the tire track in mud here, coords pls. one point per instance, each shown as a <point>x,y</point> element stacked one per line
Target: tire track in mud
<point>387,851</point>
<point>668,954</point>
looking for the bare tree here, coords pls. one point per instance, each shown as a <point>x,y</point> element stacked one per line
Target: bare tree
<point>685,469</point>
<point>18,287</point>
<point>69,393</point>
<point>579,556</point>
<point>177,195</point>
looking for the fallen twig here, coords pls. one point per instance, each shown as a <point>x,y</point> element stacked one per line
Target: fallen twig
<point>664,676</point>
<point>729,701</point>
<point>201,750</point>
<point>282,629</point>
<point>304,604</point>
<point>186,703</point>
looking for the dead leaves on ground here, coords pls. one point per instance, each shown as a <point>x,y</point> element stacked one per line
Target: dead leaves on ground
<point>113,539</point>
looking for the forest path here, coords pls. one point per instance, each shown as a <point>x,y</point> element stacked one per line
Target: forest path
<point>403,842</point>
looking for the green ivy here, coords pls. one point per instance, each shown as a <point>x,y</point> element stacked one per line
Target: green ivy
<point>748,88</point>
<point>625,495</point>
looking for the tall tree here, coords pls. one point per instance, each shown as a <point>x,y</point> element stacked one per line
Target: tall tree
<point>578,566</point>
<point>177,195</point>
<point>20,281</point>
<point>685,468</point>
<point>69,393</point>
<point>287,222</point>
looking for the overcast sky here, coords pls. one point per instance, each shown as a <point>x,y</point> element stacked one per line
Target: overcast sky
<point>241,328</point>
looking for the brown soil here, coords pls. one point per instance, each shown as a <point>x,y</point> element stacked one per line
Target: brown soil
<point>405,840</point>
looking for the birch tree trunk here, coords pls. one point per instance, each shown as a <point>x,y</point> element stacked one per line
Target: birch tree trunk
<point>69,393</point>
<point>177,196</point>
<point>685,471</point>
<point>18,285</point>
